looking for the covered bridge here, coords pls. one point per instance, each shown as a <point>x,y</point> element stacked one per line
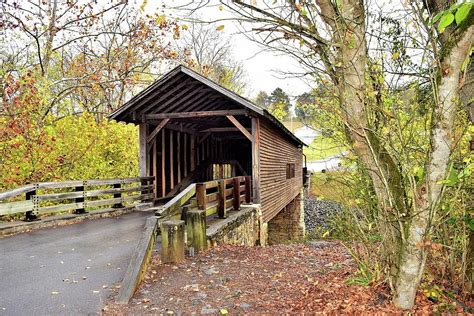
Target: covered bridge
<point>193,130</point>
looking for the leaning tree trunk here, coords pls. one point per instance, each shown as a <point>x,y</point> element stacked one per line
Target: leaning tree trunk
<point>428,194</point>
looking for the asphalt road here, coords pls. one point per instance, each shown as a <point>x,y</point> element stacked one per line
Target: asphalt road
<point>69,269</point>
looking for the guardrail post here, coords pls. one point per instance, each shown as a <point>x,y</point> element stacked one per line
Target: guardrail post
<point>196,228</point>
<point>118,195</point>
<point>80,200</point>
<point>236,200</point>
<point>172,241</point>
<point>201,196</point>
<point>30,216</point>
<point>221,209</point>
<point>248,189</point>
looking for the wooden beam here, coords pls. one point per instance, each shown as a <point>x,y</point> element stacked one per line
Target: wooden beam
<point>157,130</point>
<point>180,128</point>
<point>256,160</point>
<point>178,156</point>
<point>185,155</point>
<point>220,130</point>
<point>163,156</point>
<point>171,162</point>
<point>204,137</point>
<point>155,165</point>
<point>193,153</point>
<point>240,127</point>
<point>177,115</point>
<point>142,134</point>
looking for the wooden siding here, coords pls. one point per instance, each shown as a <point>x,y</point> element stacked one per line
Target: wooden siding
<point>275,152</point>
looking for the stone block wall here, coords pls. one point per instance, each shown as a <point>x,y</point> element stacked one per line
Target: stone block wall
<point>288,224</point>
<point>240,228</point>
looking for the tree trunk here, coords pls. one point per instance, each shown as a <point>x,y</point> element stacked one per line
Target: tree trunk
<point>413,254</point>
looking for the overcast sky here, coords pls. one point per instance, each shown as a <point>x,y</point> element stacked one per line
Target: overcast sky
<point>261,67</point>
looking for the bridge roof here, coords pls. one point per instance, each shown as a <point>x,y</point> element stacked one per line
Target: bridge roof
<point>184,90</point>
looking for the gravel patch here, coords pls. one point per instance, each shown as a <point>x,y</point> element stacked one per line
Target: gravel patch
<point>317,212</point>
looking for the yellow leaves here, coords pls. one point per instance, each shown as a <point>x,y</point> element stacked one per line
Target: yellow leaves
<point>395,55</point>
<point>220,28</point>
<point>144,3</point>
<point>223,311</point>
<point>161,19</point>
<point>326,234</point>
<point>184,27</point>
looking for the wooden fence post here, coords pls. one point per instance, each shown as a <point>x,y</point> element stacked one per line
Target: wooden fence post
<point>201,196</point>
<point>196,228</point>
<point>236,200</point>
<point>117,196</point>
<point>172,241</point>
<point>30,216</point>
<point>221,209</point>
<point>248,189</point>
<point>80,210</point>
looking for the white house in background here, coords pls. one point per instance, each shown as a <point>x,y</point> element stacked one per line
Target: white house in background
<point>306,134</point>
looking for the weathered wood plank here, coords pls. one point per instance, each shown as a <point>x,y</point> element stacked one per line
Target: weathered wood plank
<point>163,156</point>
<point>256,159</point>
<point>181,115</point>
<point>240,127</point>
<point>171,162</point>
<point>174,205</point>
<point>142,135</point>
<point>157,130</point>
<point>16,207</point>
<point>138,263</point>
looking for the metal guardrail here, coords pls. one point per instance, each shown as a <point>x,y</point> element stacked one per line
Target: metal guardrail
<point>74,195</point>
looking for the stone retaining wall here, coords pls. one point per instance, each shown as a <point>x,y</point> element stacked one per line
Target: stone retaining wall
<point>240,228</point>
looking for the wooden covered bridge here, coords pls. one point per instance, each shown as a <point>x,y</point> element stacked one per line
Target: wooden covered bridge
<point>192,133</point>
<point>204,151</point>
<point>194,130</point>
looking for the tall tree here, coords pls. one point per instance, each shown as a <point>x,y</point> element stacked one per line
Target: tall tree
<point>262,100</point>
<point>329,38</point>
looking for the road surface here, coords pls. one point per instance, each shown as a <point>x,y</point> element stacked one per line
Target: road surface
<point>69,269</point>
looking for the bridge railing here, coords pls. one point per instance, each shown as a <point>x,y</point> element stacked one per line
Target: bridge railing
<point>215,197</point>
<point>51,197</point>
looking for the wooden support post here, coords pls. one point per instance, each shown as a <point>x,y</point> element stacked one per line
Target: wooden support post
<point>172,241</point>
<point>201,196</point>
<point>236,201</point>
<point>256,160</point>
<point>193,152</point>
<point>30,216</point>
<point>240,127</point>
<point>142,134</point>
<point>157,130</point>
<point>221,209</point>
<point>196,228</point>
<point>248,189</point>
<point>171,162</point>
<point>155,165</point>
<point>79,200</point>
<point>185,155</point>
<point>178,155</point>
<point>163,157</point>
<point>117,196</point>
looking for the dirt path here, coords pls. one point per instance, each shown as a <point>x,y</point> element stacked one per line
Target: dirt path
<point>278,279</point>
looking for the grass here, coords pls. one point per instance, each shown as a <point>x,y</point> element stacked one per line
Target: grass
<point>321,148</point>
<point>327,185</point>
